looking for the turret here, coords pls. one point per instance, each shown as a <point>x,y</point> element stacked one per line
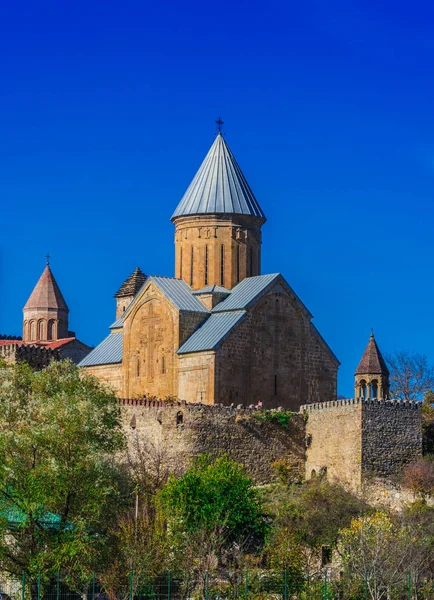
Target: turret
<point>125,295</point>
<point>45,312</point>
<point>372,374</point>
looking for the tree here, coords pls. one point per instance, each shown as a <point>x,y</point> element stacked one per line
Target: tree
<point>376,550</point>
<point>411,376</point>
<point>59,484</point>
<point>419,477</point>
<point>211,512</point>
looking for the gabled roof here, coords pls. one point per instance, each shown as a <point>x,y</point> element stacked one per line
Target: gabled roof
<point>109,351</point>
<point>132,284</point>
<point>372,361</point>
<point>177,291</point>
<point>46,293</point>
<point>252,288</point>
<point>212,333</point>
<point>212,289</point>
<point>219,186</point>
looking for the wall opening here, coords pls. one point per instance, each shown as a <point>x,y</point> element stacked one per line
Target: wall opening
<point>222,264</point>
<point>238,262</point>
<point>191,265</point>
<point>179,418</point>
<point>206,264</point>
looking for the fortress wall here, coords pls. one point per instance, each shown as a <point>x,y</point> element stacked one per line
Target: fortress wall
<point>334,440</point>
<point>391,436</point>
<point>216,430</point>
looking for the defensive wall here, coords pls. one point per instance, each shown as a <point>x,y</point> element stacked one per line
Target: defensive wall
<point>182,431</point>
<point>355,440</point>
<point>38,357</point>
<point>349,440</point>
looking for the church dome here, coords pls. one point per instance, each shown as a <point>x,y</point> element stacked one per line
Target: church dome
<point>219,187</point>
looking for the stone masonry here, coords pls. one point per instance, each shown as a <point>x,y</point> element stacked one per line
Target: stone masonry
<point>354,440</point>
<point>183,431</point>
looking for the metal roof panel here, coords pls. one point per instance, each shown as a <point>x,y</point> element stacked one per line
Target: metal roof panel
<point>219,187</point>
<point>109,351</point>
<point>245,292</point>
<point>212,333</point>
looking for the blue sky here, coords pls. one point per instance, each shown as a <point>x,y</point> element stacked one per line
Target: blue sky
<point>107,109</point>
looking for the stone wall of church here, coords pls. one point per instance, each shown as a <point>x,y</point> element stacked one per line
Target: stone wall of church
<point>275,356</point>
<point>181,432</point>
<point>217,249</point>
<point>354,440</point>
<point>75,351</point>
<point>196,377</point>
<point>110,374</point>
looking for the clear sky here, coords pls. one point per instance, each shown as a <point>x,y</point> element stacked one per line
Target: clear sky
<point>108,108</point>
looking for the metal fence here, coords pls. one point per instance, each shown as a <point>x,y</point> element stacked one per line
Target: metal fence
<point>217,585</point>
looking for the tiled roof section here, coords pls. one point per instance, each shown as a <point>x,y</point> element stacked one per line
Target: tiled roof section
<point>46,293</point>
<point>11,342</point>
<point>246,291</point>
<point>179,293</point>
<point>108,352</point>
<point>132,284</point>
<point>212,289</point>
<point>58,343</point>
<point>212,333</point>
<point>219,186</point>
<point>372,362</point>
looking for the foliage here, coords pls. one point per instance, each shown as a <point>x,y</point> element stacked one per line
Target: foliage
<point>59,487</point>
<point>411,376</point>
<point>279,417</point>
<point>419,477</point>
<point>287,471</point>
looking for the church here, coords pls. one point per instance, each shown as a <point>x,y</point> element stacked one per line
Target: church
<point>219,331</point>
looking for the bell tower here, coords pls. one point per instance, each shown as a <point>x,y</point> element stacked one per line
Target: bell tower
<point>372,374</point>
<point>45,312</point>
<point>218,224</point>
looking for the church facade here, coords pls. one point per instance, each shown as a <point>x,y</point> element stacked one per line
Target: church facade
<point>219,332</point>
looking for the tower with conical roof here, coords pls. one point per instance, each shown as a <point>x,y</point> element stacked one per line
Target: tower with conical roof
<point>45,312</point>
<point>128,290</point>
<point>218,224</point>
<point>372,374</point>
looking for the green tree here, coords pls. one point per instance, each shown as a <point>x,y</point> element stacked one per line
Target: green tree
<point>59,486</point>
<point>212,512</point>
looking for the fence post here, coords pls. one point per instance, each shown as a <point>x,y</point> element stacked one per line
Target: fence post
<point>23,586</point>
<point>131,586</point>
<point>168,585</point>
<point>93,585</point>
<point>247,584</point>
<point>284,585</point>
<point>39,586</point>
<point>409,586</point>
<point>325,583</point>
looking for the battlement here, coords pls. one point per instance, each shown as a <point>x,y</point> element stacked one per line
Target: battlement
<point>369,402</point>
<point>37,356</point>
<point>193,406</point>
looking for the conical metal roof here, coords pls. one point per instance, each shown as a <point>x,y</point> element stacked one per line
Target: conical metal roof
<point>372,361</point>
<point>46,293</point>
<point>219,187</point>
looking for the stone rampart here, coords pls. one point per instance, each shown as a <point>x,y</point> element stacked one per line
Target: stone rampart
<point>183,431</point>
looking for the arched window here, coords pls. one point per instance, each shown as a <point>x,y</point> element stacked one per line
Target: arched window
<point>238,262</point>
<point>206,264</point>
<point>32,331</point>
<point>180,262</point>
<point>222,264</point>
<point>163,365</point>
<point>374,388</point>
<point>138,366</point>
<point>179,418</point>
<point>51,330</point>
<point>362,389</point>
<point>41,330</point>
<point>275,384</point>
<point>26,330</point>
<point>191,265</point>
